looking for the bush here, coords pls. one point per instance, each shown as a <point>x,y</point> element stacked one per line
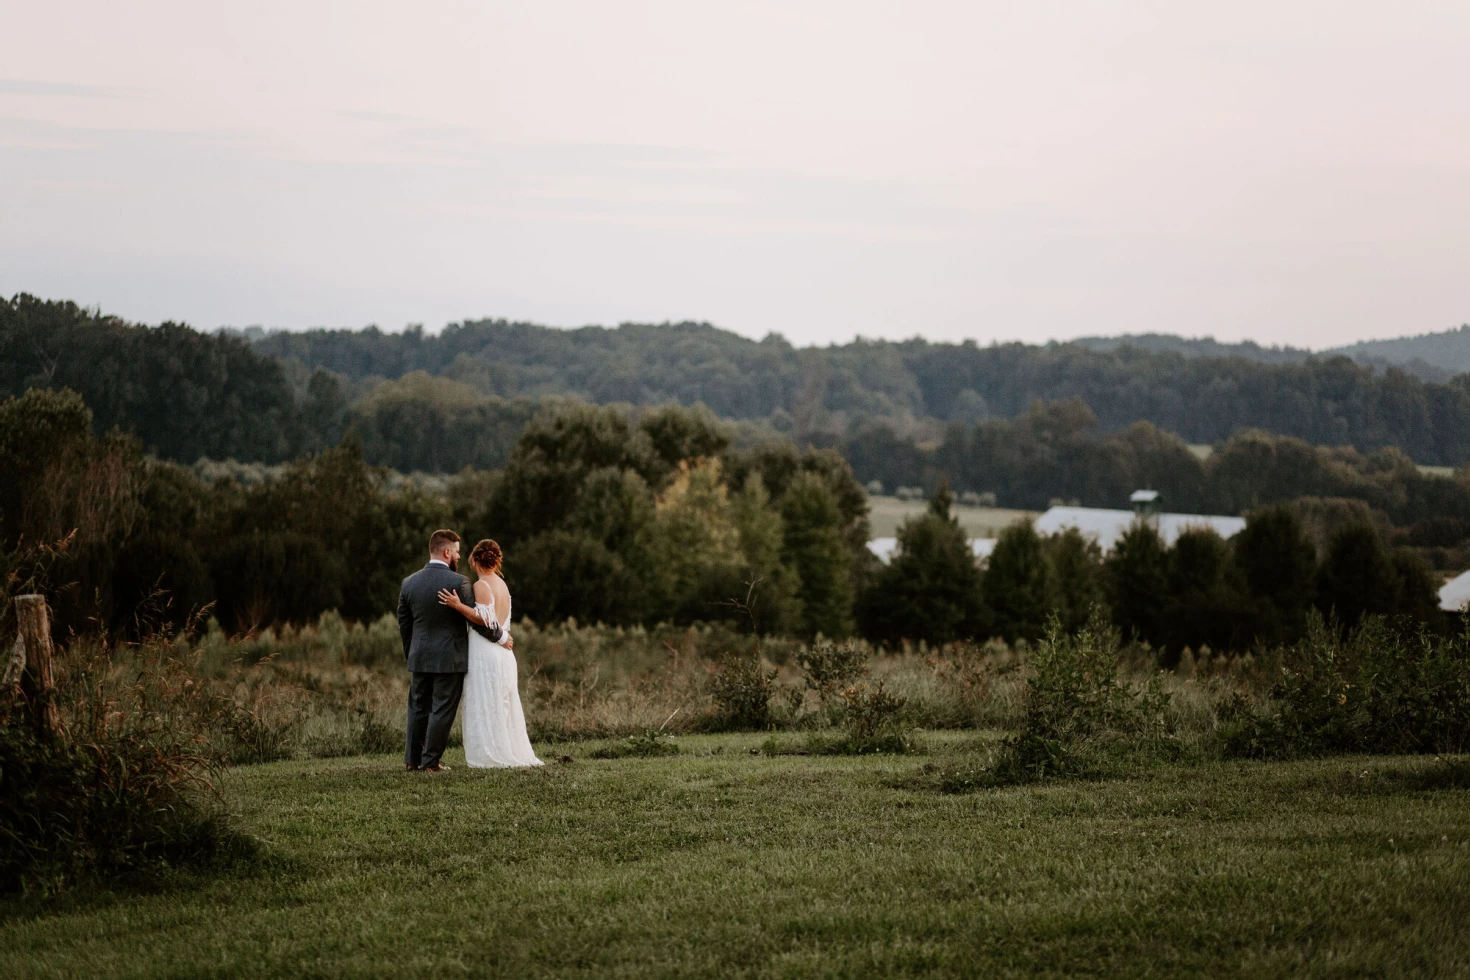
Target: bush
<point>1075,704</point>
<point>870,722</point>
<point>741,688</point>
<point>125,790</point>
<point>832,667</point>
<point>1375,690</point>
<point>1075,693</point>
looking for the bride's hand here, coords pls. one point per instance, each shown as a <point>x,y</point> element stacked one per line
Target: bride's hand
<point>448,597</point>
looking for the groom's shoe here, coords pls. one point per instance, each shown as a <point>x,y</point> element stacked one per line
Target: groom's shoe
<point>436,767</point>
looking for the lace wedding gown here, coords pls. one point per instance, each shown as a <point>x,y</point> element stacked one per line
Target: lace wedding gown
<point>493,724</point>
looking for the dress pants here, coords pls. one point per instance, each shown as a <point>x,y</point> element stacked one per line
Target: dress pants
<point>433,701</point>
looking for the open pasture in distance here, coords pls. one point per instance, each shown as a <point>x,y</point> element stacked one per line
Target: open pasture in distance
<point>722,861</point>
<point>887,513</point>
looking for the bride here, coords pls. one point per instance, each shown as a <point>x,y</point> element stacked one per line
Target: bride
<point>493,724</point>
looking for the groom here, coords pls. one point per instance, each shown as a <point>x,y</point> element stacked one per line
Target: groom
<point>437,648</point>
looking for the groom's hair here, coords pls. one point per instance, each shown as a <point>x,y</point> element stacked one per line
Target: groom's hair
<point>440,540</point>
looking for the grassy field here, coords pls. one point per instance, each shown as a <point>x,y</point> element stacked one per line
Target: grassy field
<point>887,513</point>
<point>723,861</point>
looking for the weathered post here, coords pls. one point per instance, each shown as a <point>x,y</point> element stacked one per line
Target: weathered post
<point>29,672</point>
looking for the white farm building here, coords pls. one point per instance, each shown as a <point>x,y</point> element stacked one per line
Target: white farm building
<point>886,548</point>
<point>1100,525</point>
<point>1107,526</point>
<point>1454,596</point>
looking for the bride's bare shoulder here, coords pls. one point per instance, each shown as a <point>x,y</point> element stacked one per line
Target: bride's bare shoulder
<point>502,591</point>
<point>482,591</point>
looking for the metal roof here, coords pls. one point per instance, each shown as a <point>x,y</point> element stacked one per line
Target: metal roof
<point>1107,526</point>
<point>886,548</point>
<point>1455,594</point>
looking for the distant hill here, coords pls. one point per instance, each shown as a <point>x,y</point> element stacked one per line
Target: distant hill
<point>1427,354</point>
<point>1197,347</point>
<point>1430,357</point>
<point>1203,390</point>
<point>266,396</point>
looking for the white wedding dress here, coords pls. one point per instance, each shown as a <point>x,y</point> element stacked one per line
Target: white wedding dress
<point>493,723</point>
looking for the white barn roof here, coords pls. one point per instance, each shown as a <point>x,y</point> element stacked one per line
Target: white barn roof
<point>886,548</point>
<point>1107,526</point>
<point>1455,594</point>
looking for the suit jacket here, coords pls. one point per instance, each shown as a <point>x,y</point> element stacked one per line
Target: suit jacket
<point>434,637</point>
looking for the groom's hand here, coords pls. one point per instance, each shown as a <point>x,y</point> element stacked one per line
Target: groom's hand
<point>508,641</point>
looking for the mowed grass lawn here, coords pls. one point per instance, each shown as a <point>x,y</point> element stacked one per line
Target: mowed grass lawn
<point>720,862</point>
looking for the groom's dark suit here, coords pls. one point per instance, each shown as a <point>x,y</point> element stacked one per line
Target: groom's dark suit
<point>437,648</point>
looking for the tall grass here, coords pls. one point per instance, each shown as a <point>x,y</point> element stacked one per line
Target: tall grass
<point>124,789</point>
<point>334,688</point>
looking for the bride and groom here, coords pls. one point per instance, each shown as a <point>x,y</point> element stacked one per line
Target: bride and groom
<point>451,660</point>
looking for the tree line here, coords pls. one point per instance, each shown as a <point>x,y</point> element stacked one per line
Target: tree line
<point>1204,592</point>
<point>186,395</point>
<point>636,519</point>
<point>1057,452</point>
<point>1325,400</point>
<point>604,517</point>
<point>282,393</point>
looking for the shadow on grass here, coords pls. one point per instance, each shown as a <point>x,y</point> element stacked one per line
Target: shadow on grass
<point>1424,775</point>
<point>233,856</point>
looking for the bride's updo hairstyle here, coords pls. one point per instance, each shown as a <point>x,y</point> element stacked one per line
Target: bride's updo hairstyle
<point>487,556</point>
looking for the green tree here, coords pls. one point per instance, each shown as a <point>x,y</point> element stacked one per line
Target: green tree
<point>560,575</point>
<point>1417,595</point>
<point>1357,576</point>
<point>696,561</point>
<point>762,534</point>
<point>1136,578</point>
<point>1204,602</point>
<point>679,433</point>
<point>1017,584</point>
<point>930,590</point>
<point>1075,572</point>
<point>815,550</point>
<point>1279,563</point>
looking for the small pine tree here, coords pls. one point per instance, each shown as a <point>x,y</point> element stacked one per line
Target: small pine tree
<point>1206,602</point>
<point>1357,577</point>
<point>814,550</point>
<point>930,591</point>
<point>1136,577</point>
<point>1017,584</point>
<point>1075,564</point>
<point>1278,561</point>
<point>1417,595</point>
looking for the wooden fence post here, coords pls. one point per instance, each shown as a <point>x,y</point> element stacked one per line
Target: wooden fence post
<point>29,672</point>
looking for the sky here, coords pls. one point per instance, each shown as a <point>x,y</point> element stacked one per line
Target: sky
<point>1283,171</point>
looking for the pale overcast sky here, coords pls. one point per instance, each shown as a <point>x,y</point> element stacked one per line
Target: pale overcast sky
<point>1285,171</point>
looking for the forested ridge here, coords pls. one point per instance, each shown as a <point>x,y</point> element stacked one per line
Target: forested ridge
<point>909,412</point>
<point>1204,399</point>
